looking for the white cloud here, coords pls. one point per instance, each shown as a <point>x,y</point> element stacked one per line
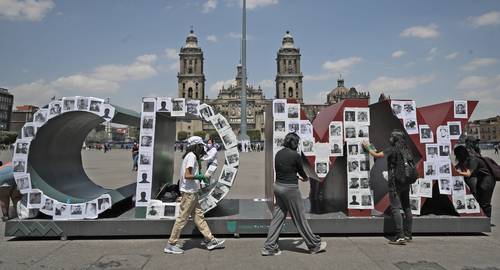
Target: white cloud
<point>171,54</point>
<point>209,6</point>
<point>267,84</point>
<point>479,63</point>
<point>342,65</point>
<point>399,84</point>
<point>136,71</point>
<point>253,4</point>
<point>146,58</point>
<point>214,88</point>
<point>81,82</point>
<point>398,54</point>
<point>486,89</point>
<point>212,38</point>
<point>25,10</point>
<point>452,55</point>
<point>318,98</point>
<point>421,31</point>
<point>486,19</point>
<point>34,93</point>
<point>431,54</point>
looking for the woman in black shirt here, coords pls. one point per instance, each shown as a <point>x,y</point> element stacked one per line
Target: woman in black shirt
<point>287,164</point>
<point>477,176</point>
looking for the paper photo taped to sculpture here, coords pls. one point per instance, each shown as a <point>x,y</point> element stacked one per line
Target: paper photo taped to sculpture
<point>415,202</point>
<point>19,165</point>
<point>227,176</point>
<point>29,130</point>
<point>426,134</point>
<point>23,182</point>
<point>321,167</point>
<point>178,107</point>
<point>192,107</point>
<point>154,210</point>
<point>363,116</point>
<point>293,126</point>
<point>350,132</point>
<point>443,134</point>
<point>430,170</point>
<point>425,188</point>
<point>145,158</point>
<point>306,130</point>
<point>68,104</point>
<point>34,199</point>
<point>353,166</point>
<point>103,203</point>
<point>148,105</point>
<point>40,117</point>
<point>409,109</point>
<point>444,151</point>
<point>444,168</point>
<point>107,112</point>
<point>366,199</point>
<point>144,177</point>
<point>336,148</point>
<point>207,202</point>
<point>142,196</point>
<point>471,204</point>
<point>91,209</point>
<point>397,108</point>
<point>444,185</point>
<point>455,130</point>
<point>278,141</point>
<point>170,210</point>
<point>47,205</point>
<point>146,141</point>
<point>279,109</point>
<point>221,123</point>
<point>353,182</point>
<point>415,188</point>
<point>280,127</point>
<point>82,103</point>
<point>22,146</point>
<point>147,122</point>
<point>458,185</point>
<point>232,157</point>
<point>363,132</point>
<point>350,115</point>
<point>164,104</point>
<point>228,138</point>
<point>95,105</point>
<point>293,110</point>
<point>206,111</point>
<point>460,109</point>
<point>459,203</point>
<point>335,129</point>
<point>364,183</point>
<point>61,211</point>
<point>353,148</point>
<point>55,108</point>
<point>307,146</point>
<point>432,151</point>
<point>77,211</point>
<point>411,126</point>
<point>354,200</point>
<point>364,164</point>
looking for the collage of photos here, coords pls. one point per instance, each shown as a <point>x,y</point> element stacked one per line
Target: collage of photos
<point>356,130</point>
<point>406,110</point>
<point>157,209</point>
<point>78,103</point>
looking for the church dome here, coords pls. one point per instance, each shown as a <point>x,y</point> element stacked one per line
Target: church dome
<point>191,40</point>
<point>340,89</point>
<point>287,41</point>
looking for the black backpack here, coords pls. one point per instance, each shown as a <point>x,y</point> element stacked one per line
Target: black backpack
<point>493,167</point>
<point>410,172</point>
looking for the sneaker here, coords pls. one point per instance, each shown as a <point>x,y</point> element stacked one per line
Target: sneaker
<point>267,252</point>
<point>173,249</point>
<point>408,239</point>
<point>204,242</point>
<point>398,241</point>
<point>215,243</point>
<point>318,249</point>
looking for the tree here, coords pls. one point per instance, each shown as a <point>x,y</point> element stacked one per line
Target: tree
<point>182,135</point>
<point>7,137</point>
<point>254,135</point>
<point>202,134</point>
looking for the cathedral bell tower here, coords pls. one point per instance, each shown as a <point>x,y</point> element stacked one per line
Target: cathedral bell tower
<point>191,78</point>
<point>289,76</point>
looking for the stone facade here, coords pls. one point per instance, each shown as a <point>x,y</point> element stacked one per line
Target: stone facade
<point>289,75</point>
<point>487,130</point>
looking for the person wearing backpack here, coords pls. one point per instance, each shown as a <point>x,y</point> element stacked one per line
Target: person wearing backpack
<point>477,175</point>
<point>401,174</point>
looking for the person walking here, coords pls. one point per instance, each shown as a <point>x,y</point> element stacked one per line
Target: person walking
<point>477,176</point>
<point>399,194</point>
<point>135,156</point>
<point>189,206</point>
<point>496,148</point>
<point>288,164</point>
<point>8,190</point>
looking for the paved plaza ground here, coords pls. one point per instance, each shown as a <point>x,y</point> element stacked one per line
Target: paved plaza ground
<point>113,169</point>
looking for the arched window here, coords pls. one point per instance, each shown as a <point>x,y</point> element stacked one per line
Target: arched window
<point>297,94</point>
<point>183,86</point>
<point>184,94</point>
<point>190,70</point>
<point>284,86</point>
<point>196,86</point>
<point>196,94</point>
<point>190,92</point>
<point>290,92</point>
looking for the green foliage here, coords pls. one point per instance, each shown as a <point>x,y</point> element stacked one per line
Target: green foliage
<point>214,135</point>
<point>254,135</point>
<point>202,134</point>
<point>7,137</point>
<point>182,135</point>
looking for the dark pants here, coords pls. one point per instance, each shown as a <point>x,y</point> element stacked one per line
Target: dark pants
<point>8,193</point>
<point>288,199</point>
<point>399,198</point>
<point>482,188</point>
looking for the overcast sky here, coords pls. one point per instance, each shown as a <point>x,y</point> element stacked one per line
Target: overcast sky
<point>430,51</point>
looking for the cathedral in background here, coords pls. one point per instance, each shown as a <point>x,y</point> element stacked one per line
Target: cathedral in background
<point>191,85</point>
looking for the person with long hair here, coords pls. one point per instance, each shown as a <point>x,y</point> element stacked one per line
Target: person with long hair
<point>399,195</point>
<point>189,186</point>
<point>287,164</point>
<point>476,175</point>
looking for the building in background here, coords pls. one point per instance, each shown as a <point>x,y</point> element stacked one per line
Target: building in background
<point>289,76</point>
<point>20,116</point>
<point>6,102</point>
<point>341,92</point>
<point>487,130</point>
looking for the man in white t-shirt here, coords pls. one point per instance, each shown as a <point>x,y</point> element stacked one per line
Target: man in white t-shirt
<point>189,185</point>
